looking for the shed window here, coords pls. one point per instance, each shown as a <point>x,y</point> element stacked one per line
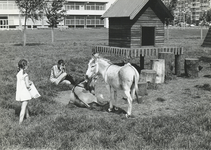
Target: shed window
<point>148,36</point>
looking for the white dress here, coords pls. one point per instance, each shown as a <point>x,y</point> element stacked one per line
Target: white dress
<point>22,93</point>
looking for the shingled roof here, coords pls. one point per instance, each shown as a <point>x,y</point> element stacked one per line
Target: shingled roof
<point>130,8</point>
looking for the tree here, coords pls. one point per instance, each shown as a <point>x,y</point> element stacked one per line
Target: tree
<point>203,19</point>
<point>30,9</point>
<point>171,5</point>
<point>188,19</point>
<point>208,16</point>
<point>55,14</point>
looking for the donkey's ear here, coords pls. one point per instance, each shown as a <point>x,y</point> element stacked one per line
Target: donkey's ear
<point>96,55</point>
<point>93,53</point>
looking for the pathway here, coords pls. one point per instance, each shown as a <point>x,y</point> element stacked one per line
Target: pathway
<point>63,97</point>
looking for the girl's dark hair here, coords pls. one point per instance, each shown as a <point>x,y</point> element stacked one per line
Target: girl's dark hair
<point>61,61</point>
<point>22,64</point>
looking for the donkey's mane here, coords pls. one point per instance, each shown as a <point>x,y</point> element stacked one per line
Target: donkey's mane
<point>107,60</point>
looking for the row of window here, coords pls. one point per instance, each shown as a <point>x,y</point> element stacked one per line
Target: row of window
<point>3,23</point>
<point>82,17</point>
<point>201,1</point>
<point>68,6</point>
<point>83,21</point>
<point>84,7</point>
<point>8,6</point>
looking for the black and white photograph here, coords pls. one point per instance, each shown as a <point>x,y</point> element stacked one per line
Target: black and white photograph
<point>105,74</point>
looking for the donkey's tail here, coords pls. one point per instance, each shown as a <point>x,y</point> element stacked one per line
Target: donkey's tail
<point>134,87</point>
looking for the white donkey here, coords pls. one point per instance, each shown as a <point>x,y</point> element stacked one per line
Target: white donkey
<point>123,78</point>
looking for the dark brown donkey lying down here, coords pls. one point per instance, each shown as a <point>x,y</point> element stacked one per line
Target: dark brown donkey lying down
<point>83,95</point>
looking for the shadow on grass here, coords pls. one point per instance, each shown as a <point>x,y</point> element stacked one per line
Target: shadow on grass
<point>207,76</point>
<point>184,75</point>
<point>29,44</point>
<point>192,37</point>
<point>205,87</point>
<point>159,99</point>
<point>105,107</point>
<point>205,59</point>
<point>98,107</point>
<point>7,105</point>
<point>33,110</point>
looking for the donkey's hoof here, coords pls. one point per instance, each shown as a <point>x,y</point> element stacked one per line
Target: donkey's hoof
<point>127,116</point>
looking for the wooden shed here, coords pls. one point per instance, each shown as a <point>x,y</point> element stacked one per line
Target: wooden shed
<point>137,23</point>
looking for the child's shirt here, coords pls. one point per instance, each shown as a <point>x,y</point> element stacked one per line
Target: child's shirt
<point>22,93</point>
<point>55,72</point>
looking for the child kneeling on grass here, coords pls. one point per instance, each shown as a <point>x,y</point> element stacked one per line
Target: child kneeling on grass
<point>25,89</point>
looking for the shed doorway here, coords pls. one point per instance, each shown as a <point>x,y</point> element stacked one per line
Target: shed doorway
<point>148,36</point>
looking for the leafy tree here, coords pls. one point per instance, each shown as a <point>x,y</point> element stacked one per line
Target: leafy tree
<point>172,5</point>
<point>208,16</point>
<point>55,14</point>
<point>203,19</point>
<point>30,10</point>
<point>188,19</point>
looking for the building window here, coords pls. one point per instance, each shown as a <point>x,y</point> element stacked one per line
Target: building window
<point>3,22</point>
<point>8,5</point>
<point>84,20</point>
<point>80,20</point>
<point>90,20</point>
<point>69,7</point>
<point>73,6</point>
<point>100,6</point>
<point>86,6</point>
<point>99,21</point>
<point>95,6</point>
<point>69,20</point>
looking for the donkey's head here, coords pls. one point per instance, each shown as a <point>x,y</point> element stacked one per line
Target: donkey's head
<point>92,69</point>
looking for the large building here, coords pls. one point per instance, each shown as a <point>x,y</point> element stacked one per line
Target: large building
<point>79,13</point>
<point>190,10</point>
<point>198,8</point>
<point>9,14</point>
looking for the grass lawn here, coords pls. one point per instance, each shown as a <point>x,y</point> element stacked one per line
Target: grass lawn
<point>182,120</point>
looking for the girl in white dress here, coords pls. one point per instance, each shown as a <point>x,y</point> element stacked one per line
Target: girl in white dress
<point>23,89</point>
